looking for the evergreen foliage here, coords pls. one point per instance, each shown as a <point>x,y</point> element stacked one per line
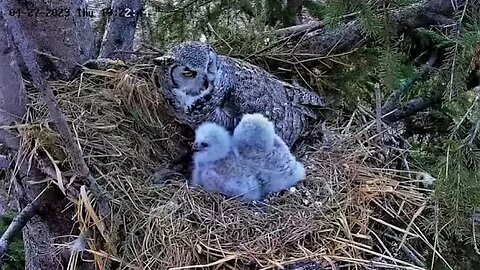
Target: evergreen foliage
<point>451,155</point>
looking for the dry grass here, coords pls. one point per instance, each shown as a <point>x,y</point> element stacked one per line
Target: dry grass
<point>339,214</point>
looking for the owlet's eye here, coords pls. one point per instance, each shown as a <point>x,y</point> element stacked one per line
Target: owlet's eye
<point>189,73</point>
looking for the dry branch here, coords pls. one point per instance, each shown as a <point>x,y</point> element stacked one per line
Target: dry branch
<point>82,171</point>
<point>17,225</point>
<point>412,107</point>
<point>299,29</point>
<point>394,99</point>
<point>350,35</point>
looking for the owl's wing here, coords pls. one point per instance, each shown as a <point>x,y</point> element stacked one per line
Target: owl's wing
<point>304,99</point>
<point>288,106</point>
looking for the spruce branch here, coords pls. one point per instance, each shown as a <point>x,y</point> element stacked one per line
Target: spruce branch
<point>350,35</point>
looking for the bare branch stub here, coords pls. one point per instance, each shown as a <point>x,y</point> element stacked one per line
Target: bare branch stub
<point>16,226</point>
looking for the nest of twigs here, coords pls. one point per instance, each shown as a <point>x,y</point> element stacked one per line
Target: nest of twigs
<point>338,215</point>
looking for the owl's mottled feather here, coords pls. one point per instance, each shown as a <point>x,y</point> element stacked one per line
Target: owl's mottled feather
<point>230,88</point>
<point>255,142</point>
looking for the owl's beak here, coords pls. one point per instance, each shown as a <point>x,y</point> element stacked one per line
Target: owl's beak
<point>197,147</point>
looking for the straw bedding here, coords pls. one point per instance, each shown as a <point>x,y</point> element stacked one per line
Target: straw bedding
<point>336,216</point>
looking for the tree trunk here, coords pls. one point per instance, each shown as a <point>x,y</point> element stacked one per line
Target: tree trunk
<point>287,13</point>
<point>52,223</point>
<point>121,27</point>
<point>292,12</point>
<point>59,30</point>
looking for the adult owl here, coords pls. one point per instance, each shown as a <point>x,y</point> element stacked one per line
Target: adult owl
<point>202,85</point>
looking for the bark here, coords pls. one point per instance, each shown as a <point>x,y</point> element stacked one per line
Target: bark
<point>288,14</point>
<point>304,266</point>
<point>64,41</point>
<point>44,229</point>
<point>50,220</point>
<point>350,35</point>
<point>12,90</point>
<point>292,12</point>
<point>120,30</point>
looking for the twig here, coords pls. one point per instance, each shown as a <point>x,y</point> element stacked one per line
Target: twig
<point>219,262</point>
<point>378,103</point>
<point>16,226</point>
<point>411,253</point>
<point>299,29</point>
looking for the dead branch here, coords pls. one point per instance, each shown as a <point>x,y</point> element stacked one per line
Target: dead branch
<point>304,266</point>
<point>297,30</point>
<point>17,225</point>
<point>394,99</point>
<point>412,107</point>
<point>350,35</point>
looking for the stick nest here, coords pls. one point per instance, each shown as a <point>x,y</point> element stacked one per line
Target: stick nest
<point>336,216</point>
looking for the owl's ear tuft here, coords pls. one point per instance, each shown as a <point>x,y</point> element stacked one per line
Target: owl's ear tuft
<point>164,60</point>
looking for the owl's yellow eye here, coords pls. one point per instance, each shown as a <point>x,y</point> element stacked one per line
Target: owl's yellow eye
<point>189,73</point>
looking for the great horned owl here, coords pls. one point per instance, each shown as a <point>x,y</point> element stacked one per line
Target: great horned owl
<point>202,85</point>
<point>257,145</point>
<point>217,169</point>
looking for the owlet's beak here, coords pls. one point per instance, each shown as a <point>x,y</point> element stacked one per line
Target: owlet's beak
<point>164,60</point>
<point>197,147</point>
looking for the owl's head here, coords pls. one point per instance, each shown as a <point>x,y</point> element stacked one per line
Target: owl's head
<point>254,131</point>
<point>212,142</point>
<point>191,68</point>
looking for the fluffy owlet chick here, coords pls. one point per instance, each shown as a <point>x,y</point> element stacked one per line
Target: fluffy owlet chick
<point>217,169</point>
<point>255,142</point>
<point>204,86</point>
